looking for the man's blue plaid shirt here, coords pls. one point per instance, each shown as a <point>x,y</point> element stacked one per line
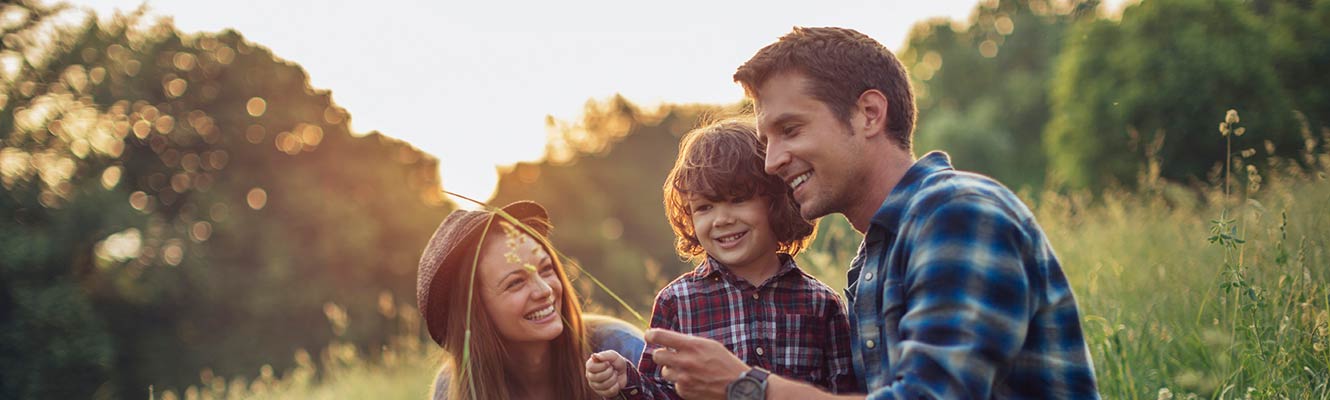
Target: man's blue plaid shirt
<point>956,294</point>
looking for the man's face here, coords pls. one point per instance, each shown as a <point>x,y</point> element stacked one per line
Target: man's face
<point>807,146</point>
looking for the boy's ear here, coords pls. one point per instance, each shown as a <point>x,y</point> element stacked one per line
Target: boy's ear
<point>870,117</point>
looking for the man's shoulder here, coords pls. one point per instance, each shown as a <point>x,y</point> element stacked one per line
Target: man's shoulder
<point>952,188</point>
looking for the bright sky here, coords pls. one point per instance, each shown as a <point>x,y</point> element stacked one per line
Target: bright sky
<point>472,81</point>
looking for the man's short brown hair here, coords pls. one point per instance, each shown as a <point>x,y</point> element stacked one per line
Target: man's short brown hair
<point>723,161</point>
<point>841,64</point>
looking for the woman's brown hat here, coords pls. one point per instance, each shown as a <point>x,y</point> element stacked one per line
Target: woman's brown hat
<point>440,261</point>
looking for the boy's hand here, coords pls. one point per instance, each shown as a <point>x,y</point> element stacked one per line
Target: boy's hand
<point>700,368</point>
<point>607,373</point>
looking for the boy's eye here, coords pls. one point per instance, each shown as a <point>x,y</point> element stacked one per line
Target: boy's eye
<point>701,207</point>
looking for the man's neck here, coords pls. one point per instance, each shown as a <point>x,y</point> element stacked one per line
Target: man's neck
<point>882,176</point>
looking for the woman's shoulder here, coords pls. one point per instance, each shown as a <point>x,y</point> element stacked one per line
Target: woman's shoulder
<point>440,387</point>
<point>609,333</point>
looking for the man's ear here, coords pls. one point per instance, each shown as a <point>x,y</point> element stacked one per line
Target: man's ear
<point>872,110</point>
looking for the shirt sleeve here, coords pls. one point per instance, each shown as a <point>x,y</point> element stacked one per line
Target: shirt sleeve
<point>839,364</point>
<point>967,298</point>
<point>646,382</point>
<point>609,333</point>
<point>440,388</point>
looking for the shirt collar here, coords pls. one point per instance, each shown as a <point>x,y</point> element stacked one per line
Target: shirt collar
<point>888,215</point>
<point>711,266</point>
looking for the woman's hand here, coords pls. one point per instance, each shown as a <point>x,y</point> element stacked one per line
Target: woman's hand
<point>607,373</point>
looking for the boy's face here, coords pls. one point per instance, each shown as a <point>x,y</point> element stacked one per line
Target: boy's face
<point>736,233</point>
<point>808,147</point>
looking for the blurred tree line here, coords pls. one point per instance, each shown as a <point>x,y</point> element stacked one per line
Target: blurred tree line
<point>1037,93</point>
<point>177,202</point>
<point>174,203</point>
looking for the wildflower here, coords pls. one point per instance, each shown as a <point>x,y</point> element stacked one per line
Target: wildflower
<point>1165,394</point>
<point>1231,117</point>
<point>1253,178</point>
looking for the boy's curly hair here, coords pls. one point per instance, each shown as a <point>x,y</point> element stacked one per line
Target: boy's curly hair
<point>723,161</point>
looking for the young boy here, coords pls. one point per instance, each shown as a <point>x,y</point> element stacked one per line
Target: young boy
<point>747,292</point>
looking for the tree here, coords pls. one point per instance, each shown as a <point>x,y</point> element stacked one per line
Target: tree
<point>1171,68</point>
<point>982,87</point>
<point>178,202</point>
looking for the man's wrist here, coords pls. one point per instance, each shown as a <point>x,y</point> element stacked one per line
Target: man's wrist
<point>776,387</point>
<point>750,385</point>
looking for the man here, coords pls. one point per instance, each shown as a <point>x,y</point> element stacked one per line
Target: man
<point>955,292</point>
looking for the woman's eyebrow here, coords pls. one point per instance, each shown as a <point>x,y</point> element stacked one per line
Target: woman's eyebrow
<point>505,276</point>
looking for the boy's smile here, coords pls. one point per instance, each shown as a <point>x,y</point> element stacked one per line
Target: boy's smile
<point>738,234</point>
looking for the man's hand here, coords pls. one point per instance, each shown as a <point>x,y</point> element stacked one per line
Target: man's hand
<point>700,368</point>
<point>607,373</point>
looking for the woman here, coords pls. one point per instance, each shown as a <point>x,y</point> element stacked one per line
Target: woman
<point>528,339</point>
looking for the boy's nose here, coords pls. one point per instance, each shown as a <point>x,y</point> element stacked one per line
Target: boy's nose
<point>723,217</point>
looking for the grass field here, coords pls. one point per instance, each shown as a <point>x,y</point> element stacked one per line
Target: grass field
<point>1184,295</point>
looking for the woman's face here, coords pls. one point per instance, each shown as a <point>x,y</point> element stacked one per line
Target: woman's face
<point>520,289</point>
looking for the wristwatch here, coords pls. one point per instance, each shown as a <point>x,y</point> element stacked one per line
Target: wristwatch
<point>752,385</point>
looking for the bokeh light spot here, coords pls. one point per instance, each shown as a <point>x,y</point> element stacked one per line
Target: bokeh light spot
<point>255,133</point>
<point>183,61</point>
<point>256,106</point>
<point>111,177</point>
<point>142,129</point>
<point>173,252</point>
<point>988,49</point>
<point>257,198</point>
<point>176,87</point>
<point>200,231</point>
<point>138,200</point>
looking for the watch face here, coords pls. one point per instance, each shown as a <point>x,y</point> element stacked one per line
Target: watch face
<point>746,389</point>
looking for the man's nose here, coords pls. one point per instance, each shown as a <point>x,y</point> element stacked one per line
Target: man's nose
<point>776,158</point>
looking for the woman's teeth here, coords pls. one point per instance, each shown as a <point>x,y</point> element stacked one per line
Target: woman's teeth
<point>540,314</point>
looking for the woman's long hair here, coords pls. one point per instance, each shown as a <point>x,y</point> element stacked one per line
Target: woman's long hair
<point>483,375</point>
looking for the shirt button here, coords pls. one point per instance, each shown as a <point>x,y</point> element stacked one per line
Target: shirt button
<point>868,276</point>
<point>759,351</point>
<point>633,392</point>
<point>754,296</point>
<point>870,343</point>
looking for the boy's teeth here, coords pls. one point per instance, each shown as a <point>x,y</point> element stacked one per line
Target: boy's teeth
<point>730,238</point>
<point>799,180</point>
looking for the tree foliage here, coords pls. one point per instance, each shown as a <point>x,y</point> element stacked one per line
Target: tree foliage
<point>174,202</point>
<point>1164,70</point>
